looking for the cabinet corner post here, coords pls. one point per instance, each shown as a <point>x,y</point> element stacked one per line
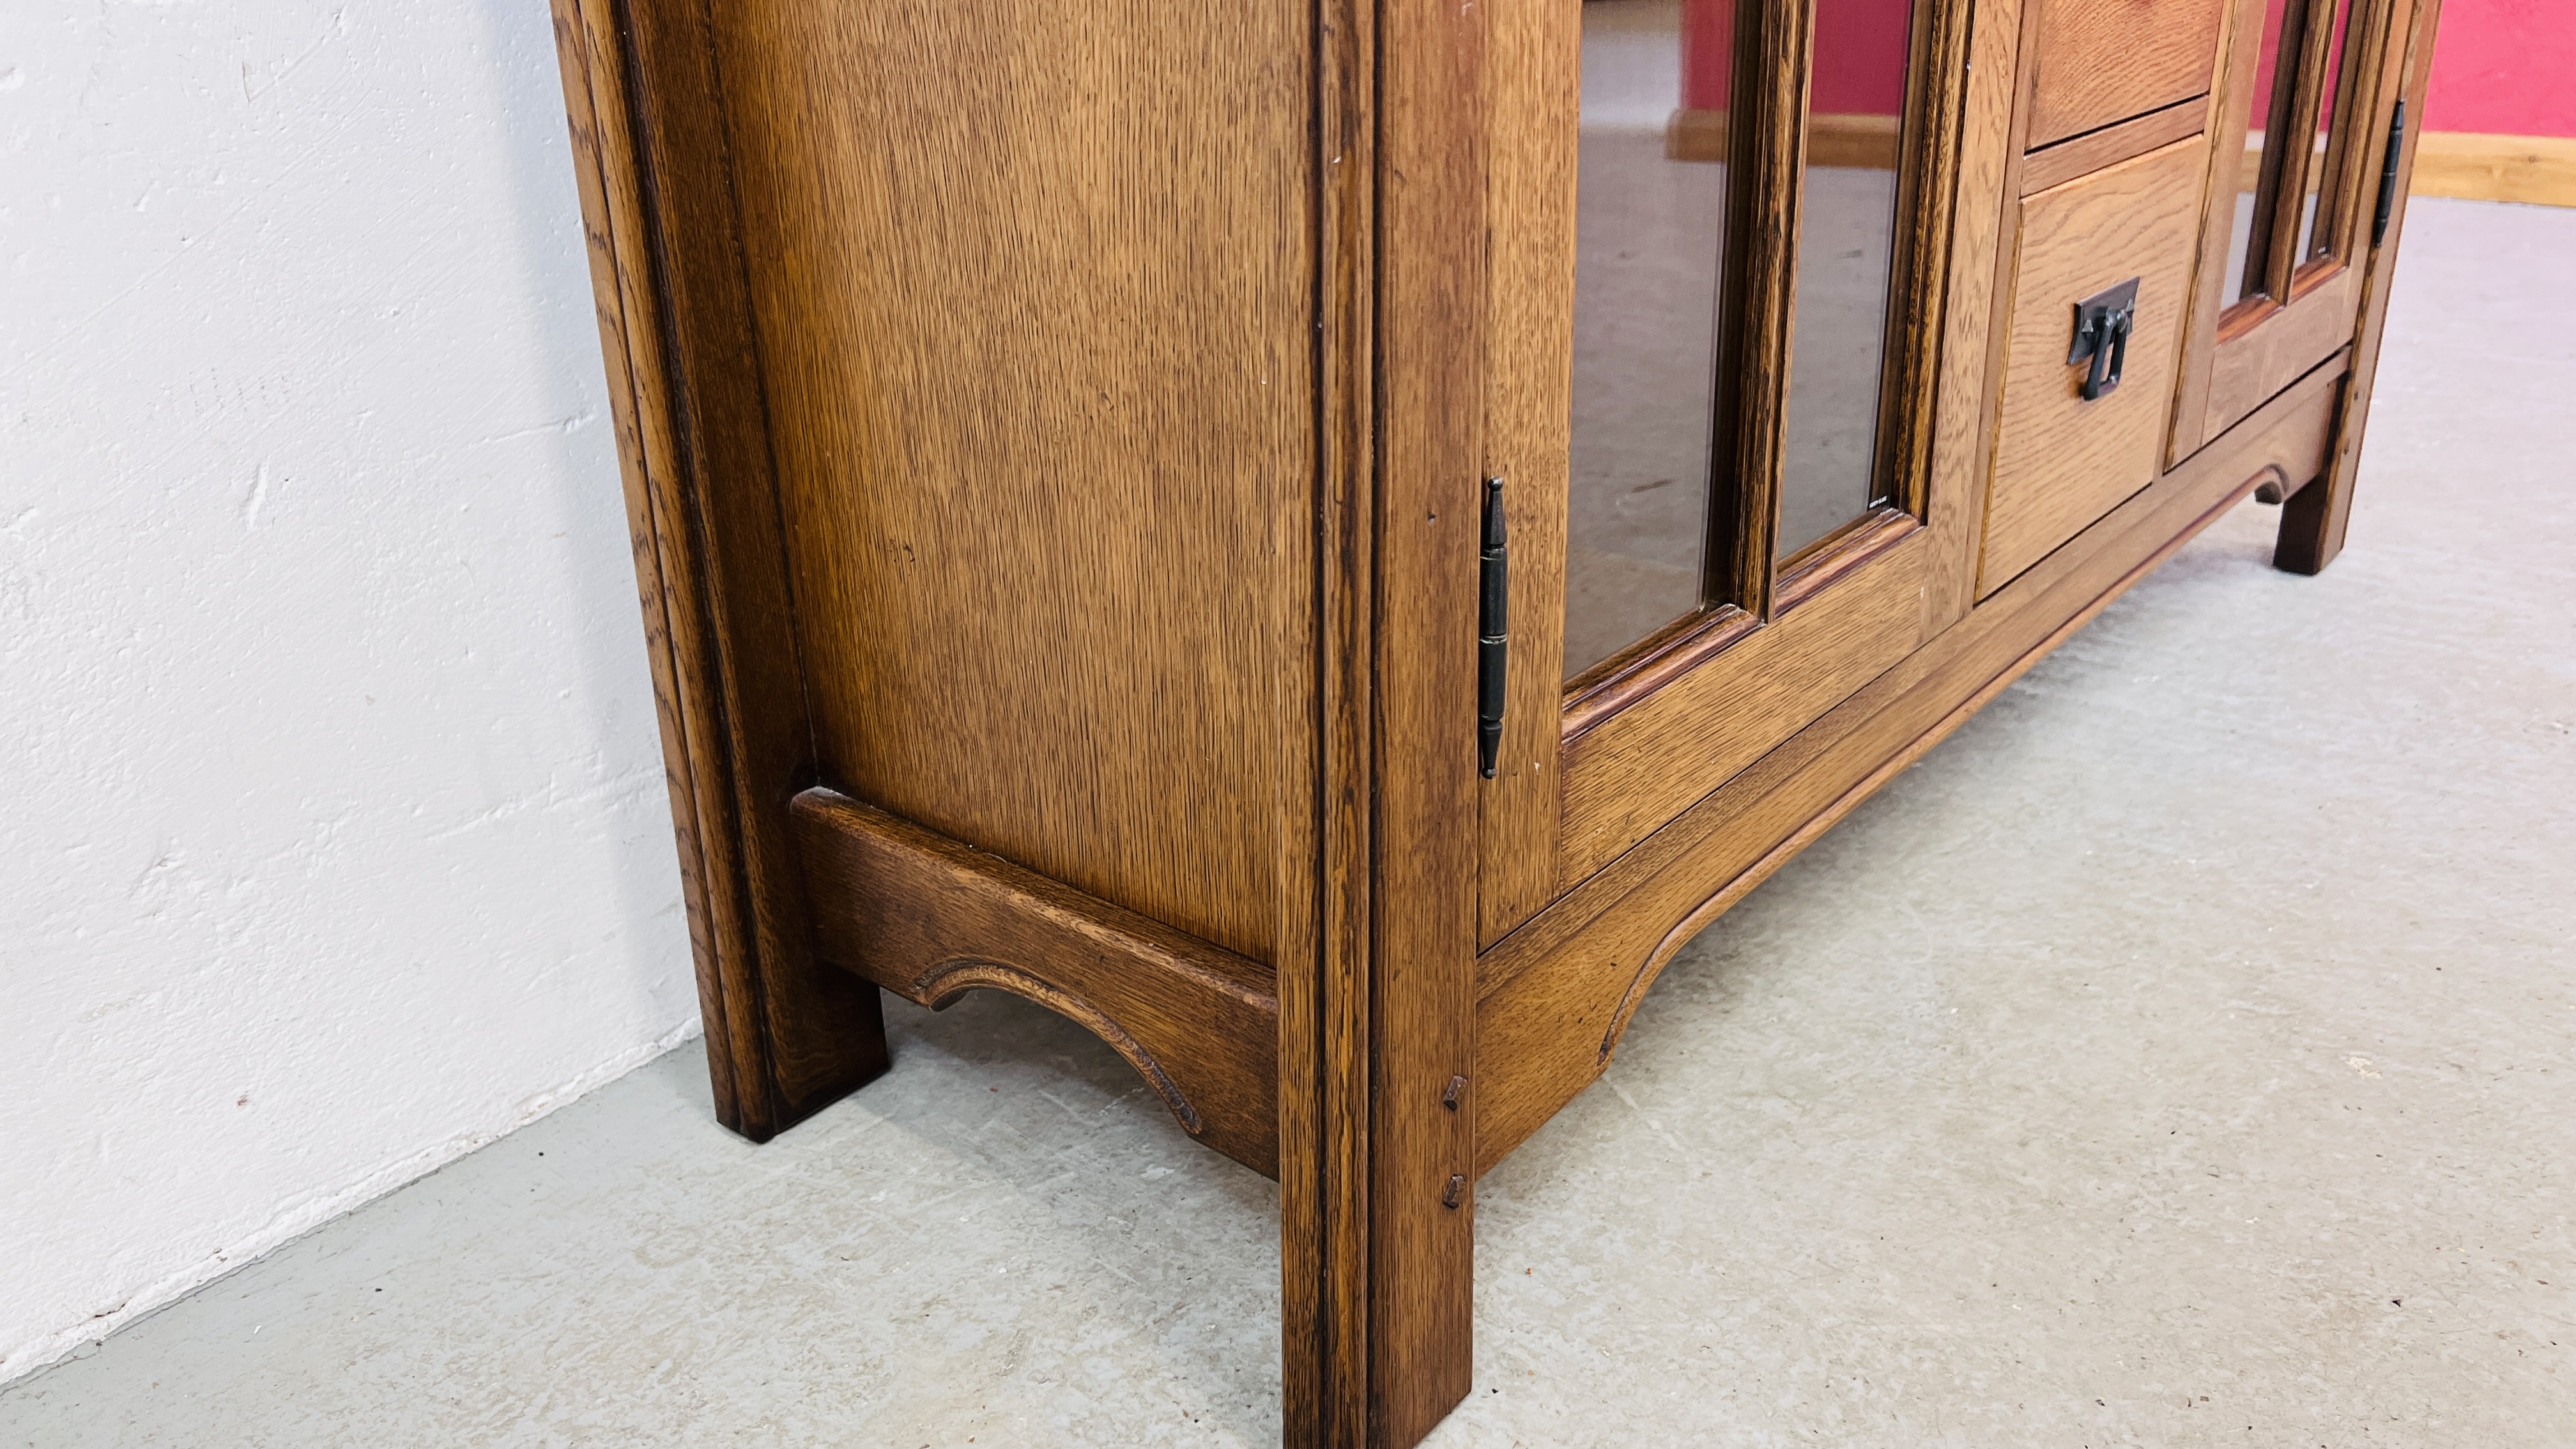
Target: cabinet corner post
<point>785,1034</point>
<point>1377,976</point>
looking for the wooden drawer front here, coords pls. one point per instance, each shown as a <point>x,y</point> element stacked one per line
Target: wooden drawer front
<point>2101,61</point>
<point>2060,461</point>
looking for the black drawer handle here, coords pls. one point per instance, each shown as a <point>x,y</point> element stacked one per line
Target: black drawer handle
<point>2102,324</point>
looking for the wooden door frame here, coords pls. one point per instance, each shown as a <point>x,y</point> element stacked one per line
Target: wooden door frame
<point>2234,357</point>
<point>2313,518</point>
<point>1672,717</point>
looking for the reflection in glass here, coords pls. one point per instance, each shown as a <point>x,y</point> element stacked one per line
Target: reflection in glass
<point>1846,249</point>
<point>1650,220</point>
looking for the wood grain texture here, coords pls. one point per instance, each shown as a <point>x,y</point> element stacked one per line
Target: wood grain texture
<point>2111,145</point>
<point>930,919</point>
<point>2262,345</point>
<point>2231,116</point>
<point>2305,305</point>
<point>2345,177</point>
<point>1646,763</point>
<point>1971,344</point>
<point>2060,461</point>
<point>1074,428</point>
<point>2315,517</point>
<point>1556,993</point>
<point>1034,294</point>
<point>1535,79</point>
<point>2532,170</point>
<point>1663,724</point>
<point>1377,1268</point>
<point>1861,142</point>
<point>1431,297</point>
<point>1921,322</point>
<point>2265,349</point>
<point>2290,163</point>
<point>784,1036</point>
<point>1324,976</point>
<point>2101,61</point>
<point>1758,301</point>
<point>2306,297</point>
<point>2272,232</point>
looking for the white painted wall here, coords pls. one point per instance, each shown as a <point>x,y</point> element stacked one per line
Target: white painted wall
<point>332,818</point>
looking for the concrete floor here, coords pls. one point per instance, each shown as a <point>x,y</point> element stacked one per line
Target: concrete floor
<point>2179,1055</point>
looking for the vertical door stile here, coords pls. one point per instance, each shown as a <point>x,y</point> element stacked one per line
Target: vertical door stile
<point>1532,114</point>
<point>1430,405</point>
<point>1977,290</point>
<point>1760,310</point>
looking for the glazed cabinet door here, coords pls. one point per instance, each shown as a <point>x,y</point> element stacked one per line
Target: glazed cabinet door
<point>2307,132</point>
<point>1720,237</point>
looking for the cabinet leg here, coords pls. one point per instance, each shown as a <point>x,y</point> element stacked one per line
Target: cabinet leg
<point>787,1034</point>
<point>1377,945</point>
<point>2312,524</point>
<point>795,1048</point>
<point>1377,1215</point>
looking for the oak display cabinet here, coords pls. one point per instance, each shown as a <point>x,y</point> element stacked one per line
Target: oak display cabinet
<point>1325,541</point>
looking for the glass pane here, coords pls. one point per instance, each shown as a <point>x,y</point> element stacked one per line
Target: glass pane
<point>1650,220</point>
<point>2310,243</point>
<point>2244,272</point>
<point>1846,248</point>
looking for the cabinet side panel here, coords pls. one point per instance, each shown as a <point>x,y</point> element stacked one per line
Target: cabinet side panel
<point>1034,293</point>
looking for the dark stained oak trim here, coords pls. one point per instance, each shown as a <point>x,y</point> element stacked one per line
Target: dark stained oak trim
<point>1765,196</point>
<point>1323,996</point>
<point>1842,553</point>
<point>1638,671</point>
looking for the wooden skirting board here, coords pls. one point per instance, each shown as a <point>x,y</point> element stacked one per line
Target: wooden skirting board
<point>2534,170</point>
<point>2469,165</point>
<point>1862,142</point>
<point>2473,166</point>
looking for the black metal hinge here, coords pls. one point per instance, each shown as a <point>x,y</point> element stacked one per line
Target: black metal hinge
<point>2388,173</point>
<point>1493,630</point>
